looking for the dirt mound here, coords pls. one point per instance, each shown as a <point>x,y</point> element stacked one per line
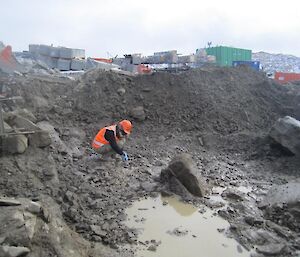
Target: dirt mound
<point>212,100</point>
<point>221,100</point>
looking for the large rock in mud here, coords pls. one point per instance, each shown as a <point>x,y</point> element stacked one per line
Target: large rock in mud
<point>56,141</point>
<point>286,131</point>
<point>181,169</point>
<point>15,144</point>
<point>40,138</point>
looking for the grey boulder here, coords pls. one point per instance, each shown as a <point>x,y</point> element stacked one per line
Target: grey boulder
<point>181,169</point>
<point>16,143</point>
<point>286,131</point>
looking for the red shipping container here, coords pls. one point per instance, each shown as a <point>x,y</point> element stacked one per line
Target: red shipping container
<point>103,60</point>
<point>283,77</point>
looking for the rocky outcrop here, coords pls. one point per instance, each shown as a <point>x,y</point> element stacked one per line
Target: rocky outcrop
<point>15,144</point>
<point>19,143</point>
<point>40,139</point>
<point>25,226</point>
<point>182,174</point>
<point>286,131</point>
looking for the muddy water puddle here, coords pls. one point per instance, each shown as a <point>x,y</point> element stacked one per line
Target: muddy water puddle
<point>168,227</point>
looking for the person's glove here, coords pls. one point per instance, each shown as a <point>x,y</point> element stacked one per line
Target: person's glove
<point>125,157</point>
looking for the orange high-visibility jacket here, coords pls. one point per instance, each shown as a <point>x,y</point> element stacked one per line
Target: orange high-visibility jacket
<point>100,140</point>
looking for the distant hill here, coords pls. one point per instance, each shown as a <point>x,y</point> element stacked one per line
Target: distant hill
<point>277,62</point>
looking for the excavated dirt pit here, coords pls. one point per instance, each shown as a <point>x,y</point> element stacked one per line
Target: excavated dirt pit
<point>220,116</point>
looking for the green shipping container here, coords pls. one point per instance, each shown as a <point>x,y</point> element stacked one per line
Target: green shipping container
<point>226,55</point>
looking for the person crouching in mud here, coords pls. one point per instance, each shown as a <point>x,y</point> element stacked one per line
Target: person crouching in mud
<point>112,138</point>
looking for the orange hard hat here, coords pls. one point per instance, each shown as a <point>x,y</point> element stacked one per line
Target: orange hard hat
<point>126,126</point>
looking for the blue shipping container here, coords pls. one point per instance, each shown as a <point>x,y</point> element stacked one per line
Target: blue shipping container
<point>253,64</point>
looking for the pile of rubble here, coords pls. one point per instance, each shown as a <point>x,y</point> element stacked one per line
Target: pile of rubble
<point>21,131</point>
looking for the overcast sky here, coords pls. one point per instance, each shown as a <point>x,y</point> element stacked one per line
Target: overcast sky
<point>105,28</point>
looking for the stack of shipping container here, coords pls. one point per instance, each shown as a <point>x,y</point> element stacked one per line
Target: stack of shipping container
<point>226,55</point>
